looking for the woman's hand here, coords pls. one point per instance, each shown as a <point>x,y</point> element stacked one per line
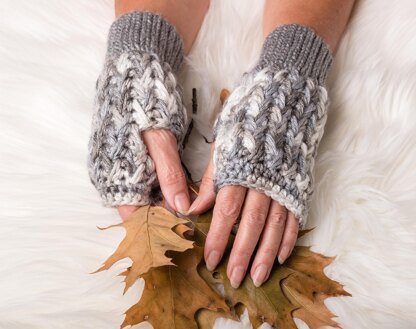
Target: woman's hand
<point>263,221</point>
<point>162,147</point>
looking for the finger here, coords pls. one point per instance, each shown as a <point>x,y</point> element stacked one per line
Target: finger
<point>253,217</point>
<point>125,211</point>
<point>162,147</point>
<point>269,243</point>
<point>289,237</point>
<point>206,196</point>
<point>226,211</point>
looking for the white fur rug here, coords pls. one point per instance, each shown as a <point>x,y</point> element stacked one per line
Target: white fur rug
<point>364,208</point>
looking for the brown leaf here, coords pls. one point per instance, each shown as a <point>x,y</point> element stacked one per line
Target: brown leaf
<point>180,292</point>
<point>296,289</point>
<point>308,287</point>
<point>266,303</point>
<point>173,294</point>
<point>150,232</point>
<point>206,318</point>
<point>224,95</point>
<point>304,232</point>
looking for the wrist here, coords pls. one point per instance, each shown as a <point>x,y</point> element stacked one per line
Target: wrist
<point>296,47</point>
<point>146,32</point>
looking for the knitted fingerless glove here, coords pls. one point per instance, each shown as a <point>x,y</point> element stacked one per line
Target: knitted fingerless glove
<point>136,90</point>
<point>267,134</point>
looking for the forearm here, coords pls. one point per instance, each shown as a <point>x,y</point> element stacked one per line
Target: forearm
<point>327,17</point>
<point>186,15</point>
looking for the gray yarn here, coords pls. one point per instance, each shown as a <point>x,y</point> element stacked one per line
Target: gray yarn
<point>149,32</point>
<point>299,47</point>
<point>136,90</point>
<point>268,132</point>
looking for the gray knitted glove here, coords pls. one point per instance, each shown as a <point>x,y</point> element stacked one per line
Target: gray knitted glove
<point>136,90</point>
<point>268,132</point>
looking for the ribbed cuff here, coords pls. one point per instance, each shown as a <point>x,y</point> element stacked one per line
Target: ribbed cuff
<point>146,31</point>
<point>296,46</point>
<point>119,195</point>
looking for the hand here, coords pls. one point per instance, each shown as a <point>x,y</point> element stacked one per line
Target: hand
<point>263,221</point>
<point>162,147</point>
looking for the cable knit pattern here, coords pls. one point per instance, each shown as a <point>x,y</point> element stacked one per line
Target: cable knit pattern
<point>267,135</point>
<point>136,90</point>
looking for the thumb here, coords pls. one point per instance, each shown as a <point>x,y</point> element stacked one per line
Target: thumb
<point>206,196</point>
<point>126,210</point>
<point>162,147</point>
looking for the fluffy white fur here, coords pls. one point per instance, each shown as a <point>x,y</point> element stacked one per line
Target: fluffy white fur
<point>365,200</point>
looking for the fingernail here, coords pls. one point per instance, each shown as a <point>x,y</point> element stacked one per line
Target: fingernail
<point>281,260</point>
<point>237,275</point>
<point>212,260</point>
<point>193,207</point>
<point>181,202</point>
<point>260,275</point>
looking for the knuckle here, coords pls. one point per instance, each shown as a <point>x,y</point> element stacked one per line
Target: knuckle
<point>158,137</point>
<point>277,220</point>
<point>164,135</point>
<point>242,253</point>
<point>173,177</point>
<point>269,251</point>
<point>255,217</point>
<point>228,209</point>
<point>206,180</point>
<point>215,240</point>
<point>293,233</point>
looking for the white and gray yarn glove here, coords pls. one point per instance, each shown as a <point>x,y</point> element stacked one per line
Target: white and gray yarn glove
<point>136,90</point>
<point>267,134</point>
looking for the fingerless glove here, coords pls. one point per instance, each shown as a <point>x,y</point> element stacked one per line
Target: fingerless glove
<point>267,134</point>
<point>136,90</point>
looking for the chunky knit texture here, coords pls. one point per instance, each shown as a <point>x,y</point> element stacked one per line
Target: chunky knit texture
<point>136,90</point>
<point>268,132</point>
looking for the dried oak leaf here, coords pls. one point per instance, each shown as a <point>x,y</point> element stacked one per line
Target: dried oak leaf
<point>296,289</point>
<point>307,287</point>
<point>150,232</point>
<point>172,295</point>
<point>206,318</point>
